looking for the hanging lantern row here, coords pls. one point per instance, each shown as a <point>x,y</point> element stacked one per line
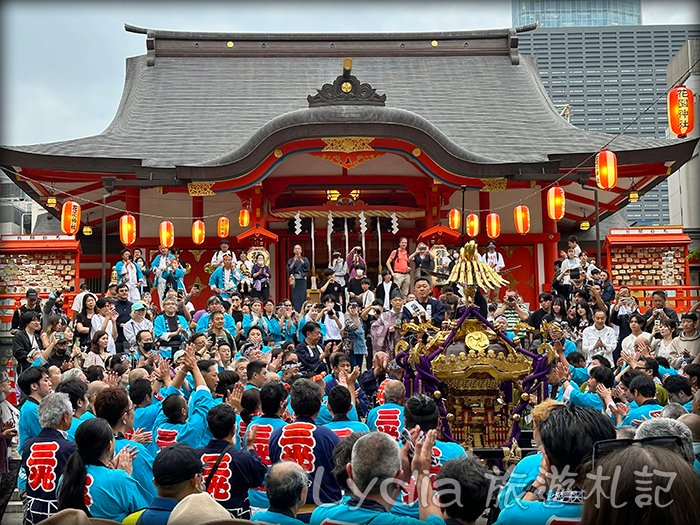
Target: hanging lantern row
<point>521,218</point>
<point>556,203</point>
<point>454,219</point>
<point>681,111</point>
<point>472,225</point>
<point>166,232</point>
<point>606,169</point>
<point>127,229</point>
<point>198,231</point>
<point>222,227</point>
<point>70,217</point>
<point>493,225</point>
<point>244,218</point>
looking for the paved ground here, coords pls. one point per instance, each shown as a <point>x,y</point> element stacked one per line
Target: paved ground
<point>12,519</point>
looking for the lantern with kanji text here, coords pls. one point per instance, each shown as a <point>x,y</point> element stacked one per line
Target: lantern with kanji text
<point>606,169</point>
<point>556,203</point>
<point>127,229</point>
<point>198,232</point>
<point>70,217</point>
<point>681,111</point>
<point>493,225</point>
<point>472,225</point>
<point>222,227</point>
<point>454,219</point>
<point>521,218</point>
<point>166,232</point>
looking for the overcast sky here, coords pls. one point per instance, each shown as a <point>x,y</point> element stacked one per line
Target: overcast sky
<point>63,63</point>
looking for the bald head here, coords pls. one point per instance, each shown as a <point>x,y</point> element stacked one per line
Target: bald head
<point>137,373</point>
<point>286,486</point>
<point>394,392</point>
<point>692,421</point>
<point>95,388</point>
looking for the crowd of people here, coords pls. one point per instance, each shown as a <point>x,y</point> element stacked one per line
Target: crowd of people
<point>149,411</point>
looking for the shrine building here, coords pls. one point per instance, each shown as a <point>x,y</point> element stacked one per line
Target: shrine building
<point>380,146</point>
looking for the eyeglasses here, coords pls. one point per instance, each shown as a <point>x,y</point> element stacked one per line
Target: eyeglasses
<point>608,446</point>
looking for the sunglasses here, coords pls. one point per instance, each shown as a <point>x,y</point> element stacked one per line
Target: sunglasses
<point>608,446</point>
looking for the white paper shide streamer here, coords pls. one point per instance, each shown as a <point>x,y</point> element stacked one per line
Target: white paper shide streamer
<point>297,223</point>
<point>329,233</point>
<point>394,224</point>
<point>363,229</point>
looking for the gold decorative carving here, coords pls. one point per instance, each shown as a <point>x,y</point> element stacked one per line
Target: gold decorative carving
<point>348,144</point>
<point>200,189</point>
<point>416,152</point>
<point>497,184</point>
<point>349,160</point>
<point>278,153</point>
<point>197,254</point>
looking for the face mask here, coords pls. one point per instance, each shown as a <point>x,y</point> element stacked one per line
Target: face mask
<point>147,347</point>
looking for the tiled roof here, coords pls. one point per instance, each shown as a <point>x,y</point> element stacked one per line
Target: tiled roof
<point>208,110</point>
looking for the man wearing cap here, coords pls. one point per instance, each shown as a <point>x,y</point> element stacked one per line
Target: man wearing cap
<point>177,473</point>
<point>32,304</point>
<point>58,354</point>
<point>136,324</point>
<point>218,258</point>
<point>492,257</point>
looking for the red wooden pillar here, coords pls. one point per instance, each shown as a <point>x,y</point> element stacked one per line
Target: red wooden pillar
<point>484,208</point>
<point>197,207</point>
<point>132,204</point>
<point>549,228</point>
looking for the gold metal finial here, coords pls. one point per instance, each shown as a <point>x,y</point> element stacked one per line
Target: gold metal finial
<point>434,43</point>
<point>347,66</point>
<point>229,44</point>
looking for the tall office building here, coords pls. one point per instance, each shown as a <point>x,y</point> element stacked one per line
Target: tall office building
<point>578,13</point>
<point>607,76</point>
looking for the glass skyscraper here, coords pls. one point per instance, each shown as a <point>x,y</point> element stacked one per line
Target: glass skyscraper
<point>577,13</point>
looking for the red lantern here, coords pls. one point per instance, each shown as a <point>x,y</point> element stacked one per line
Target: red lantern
<point>70,217</point>
<point>127,229</point>
<point>493,225</point>
<point>244,218</point>
<point>166,233</point>
<point>198,232</point>
<point>455,219</point>
<point>472,225</point>
<point>521,217</point>
<point>606,169</point>
<point>222,227</point>
<point>681,111</point>
<point>556,203</point>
